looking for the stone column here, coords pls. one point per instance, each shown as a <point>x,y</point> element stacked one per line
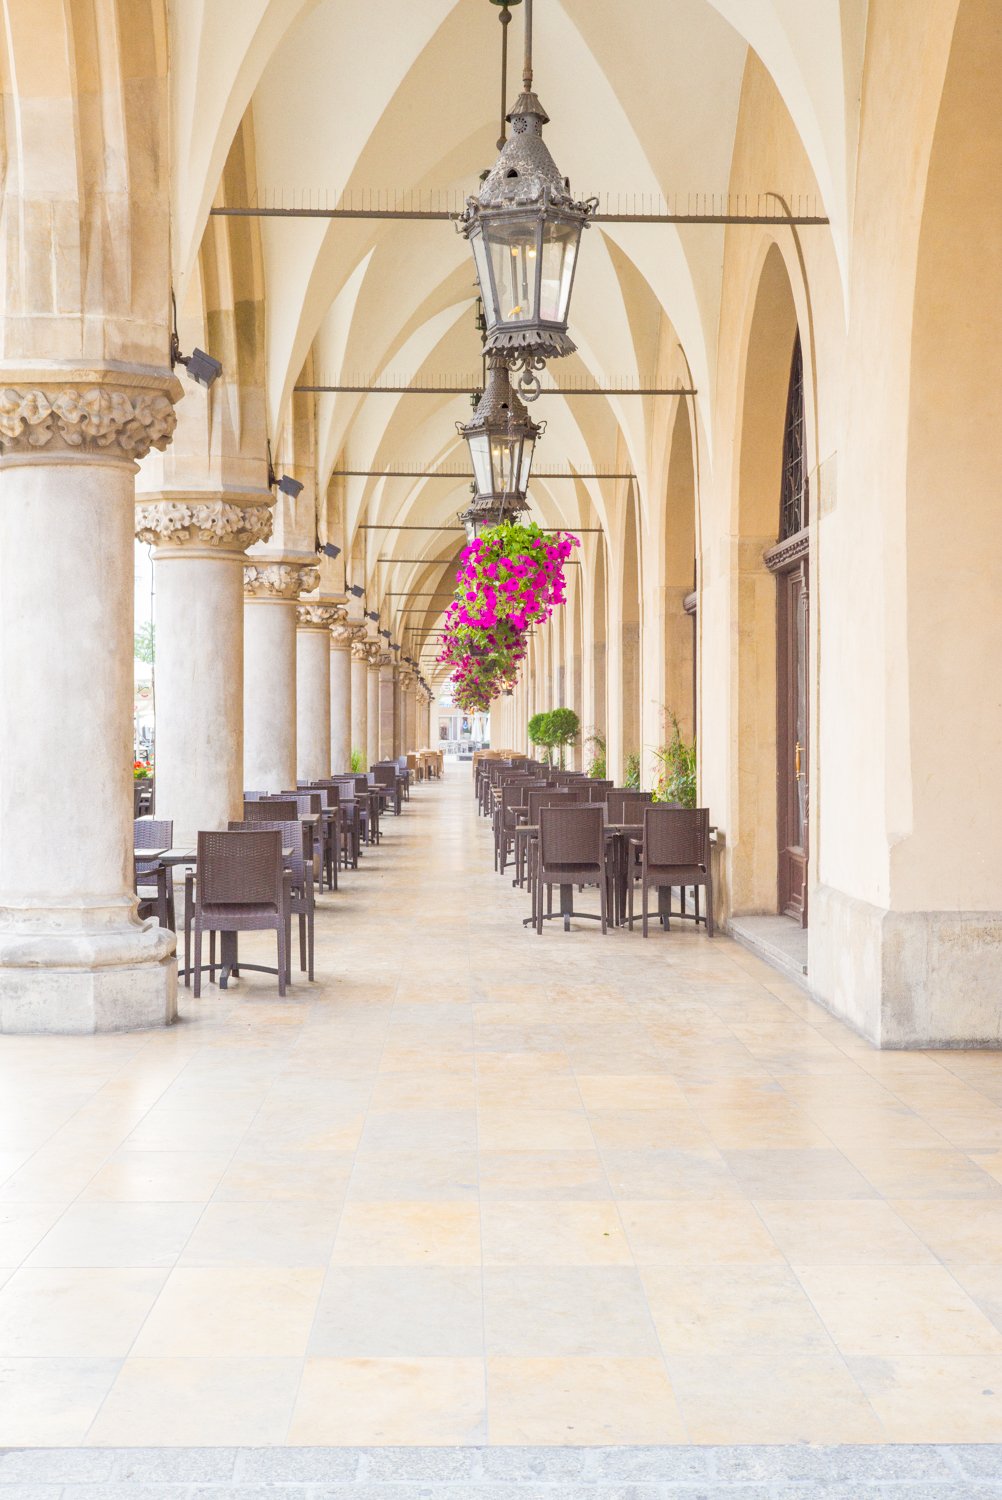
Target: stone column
<point>372,702</point>
<point>387,706</point>
<point>271,592</point>
<point>313,690</point>
<point>199,540</point>
<point>360,693</point>
<point>341,637</point>
<point>74,957</point>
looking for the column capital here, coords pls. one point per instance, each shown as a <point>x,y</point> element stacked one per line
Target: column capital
<point>280,581</point>
<point>215,523</point>
<point>407,679</point>
<point>374,653</point>
<point>386,660</point>
<point>54,413</point>
<point>344,635</point>
<point>316,616</point>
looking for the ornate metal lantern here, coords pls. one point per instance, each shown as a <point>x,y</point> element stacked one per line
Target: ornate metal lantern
<point>525,227</point>
<point>501,438</point>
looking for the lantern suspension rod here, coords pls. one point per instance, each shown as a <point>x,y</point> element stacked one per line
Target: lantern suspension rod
<point>505,19</point>
<point>454,474</point>
<point>527,58</point>
<point>393,526</point>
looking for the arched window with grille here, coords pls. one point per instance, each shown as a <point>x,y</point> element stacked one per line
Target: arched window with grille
<point>794,513</point>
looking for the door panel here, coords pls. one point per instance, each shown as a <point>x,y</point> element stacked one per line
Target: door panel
<point>792,800</point>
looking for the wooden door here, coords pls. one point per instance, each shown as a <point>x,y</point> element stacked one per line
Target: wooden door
<point>792,760</point>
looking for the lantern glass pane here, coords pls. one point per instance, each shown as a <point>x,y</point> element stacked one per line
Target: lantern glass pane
<point>484,278</point>
<point>523,479</point>
<point>480,453</point>
<point>513,261</point>
<point>560,243</point>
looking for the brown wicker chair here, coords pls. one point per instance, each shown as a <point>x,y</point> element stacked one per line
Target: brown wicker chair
<point>513,796</point>
<point>536,798</point>
<point>388,777</point>
<point>626,806</point>
<point>155,833</point>
<point>314,802</point>
<point>277,810</point>
<point>674,851</point>
<point>572,851</point>
<point>242,886</point>
<point>302,898</point>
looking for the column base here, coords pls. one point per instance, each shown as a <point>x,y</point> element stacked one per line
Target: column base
<point>75,1002</point>
<point>920,979</point>
<point>87,977</point>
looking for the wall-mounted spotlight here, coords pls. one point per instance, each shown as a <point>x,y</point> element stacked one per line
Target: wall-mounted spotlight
<point>356,590</point>
<point>290,486</point>
<point>329,550</point>
<point>201,367</point>
<point>373,615</point>
<point>385,634</point>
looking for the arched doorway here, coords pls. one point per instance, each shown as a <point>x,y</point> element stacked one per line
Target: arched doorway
<point>788,560</point>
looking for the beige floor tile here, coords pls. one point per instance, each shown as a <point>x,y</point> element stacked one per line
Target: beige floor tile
<point>983,1284</point>
<point>521,1175</point>
<point>564,1233</point>
<point>674,1233</point>
<point>432,1175</point>
<point>51,1402</point>
<point>157,1177</point>
<point>567,1310</point>
<point>887,1311</point>
<point>230,1313</point>
<point>76,1314</point>
<point>934,1399</point>
<point>310,1176</point>
<point>789,1173</point>
<point>630,1091</point>
<point>427,1402</point>
<point>790,1399</point>
<point>678,1175</point>
<point>22,1227</point>
<point>259,1234</point>
<point>420,1129</point>
<point>841,1231</point>
<point>706,1310</point>
<point>526,1129</point>
<point>648,1130</point>
<point>408,1234</point>
<point>399,1091</point>
<point>118,1234</point>
<point>197,1403</point>
<point>388,1312</point>
<point>968,1231</point>
<point>900,1173</point>
<point>586,1401</point>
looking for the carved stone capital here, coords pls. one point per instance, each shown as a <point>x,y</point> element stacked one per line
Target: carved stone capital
<point>217,525</point>
<point>84,417</point>
<point>387,661</point>
<point>374,653</point>
<point>280,580</point>
<point>316,616</point>
<point>359,644</point>
<point>345,635</point>
<point>407,679</point>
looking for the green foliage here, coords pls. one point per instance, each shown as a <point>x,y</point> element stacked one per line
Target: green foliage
<point>596,766</point>
<point>358,762</point>
<point>676,780</point>
<point>554,730</point>
<point>631,777</point>
<point>144,646</point>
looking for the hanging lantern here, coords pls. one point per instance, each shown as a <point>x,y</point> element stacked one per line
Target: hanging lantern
<point>501,438</point>
<point>525,227</point>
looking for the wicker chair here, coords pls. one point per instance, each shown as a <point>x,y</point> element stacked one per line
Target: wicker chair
<point>277,810</point>
<point>155,833</point>
<point>388,777</point>
<point>302,898</point>
<point>572,851</point>
<point>512,797</point>
<point>626,806</point>
<point>674,851</point>
<point>536,798</point>
<point>242,886</point>
<point>328,829</point>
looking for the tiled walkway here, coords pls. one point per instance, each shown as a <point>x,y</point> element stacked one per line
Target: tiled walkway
<point>482,1187</point>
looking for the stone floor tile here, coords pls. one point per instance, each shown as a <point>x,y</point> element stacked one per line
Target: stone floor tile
<point>51,1402</point>
<point>697,1232</point>
<point>934,1398</point>
<point>809,1398</point>
<point>898,1310</point>
<point>301,1234</point>
<point>382,1312</point>
<point>520,1176</point>
<point>231,1312</point>
<point>556,1234</point>
<point>582,1401</point>
<point>967,1231</point>
<point>790,1173</point>
<point>707,1310</point>
<point>198,1403</point>
<point>373,1401</point>
<point>157,1177</point>
<point>118,1234</point>
<point>841,1231</point>
<point>408,1234</point>
<point>76,1313</point>
<point>278,1177</point>
<point>566,1310</point>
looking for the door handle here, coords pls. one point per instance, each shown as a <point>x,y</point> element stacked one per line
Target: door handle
<point>797,772</point>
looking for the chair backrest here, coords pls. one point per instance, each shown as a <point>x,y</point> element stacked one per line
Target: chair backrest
<point>545,797</point>
<point>572,835</point>
<point>153,833</point>
<point>580,791</point>
<point>385,775</point>
<point>240,868</point>
<point>676,835</point>
<point>330,793</point>
<point>306,802</point>
<point>627,807</point>
<point>293,837</point>
<point>254,796</point>
<point>278,810</point>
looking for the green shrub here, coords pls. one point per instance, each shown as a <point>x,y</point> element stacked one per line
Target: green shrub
<point>358,759</point>
<point>676,779</point>
<point>596,766</point>
<point>631,776</point>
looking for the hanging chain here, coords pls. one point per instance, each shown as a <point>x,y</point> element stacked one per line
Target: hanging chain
<point>505,19</point>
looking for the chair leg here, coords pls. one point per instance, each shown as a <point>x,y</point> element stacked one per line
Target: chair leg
<point>212,956</point>
<point>643,902</point>
<point>310,933</point>
<point>198,959</point>
<point>283,955</point>
<point>603,896</point>
<point>629,903</point>
<point>709,903</point>
<point>187,947</point>
<point>302,942</point>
